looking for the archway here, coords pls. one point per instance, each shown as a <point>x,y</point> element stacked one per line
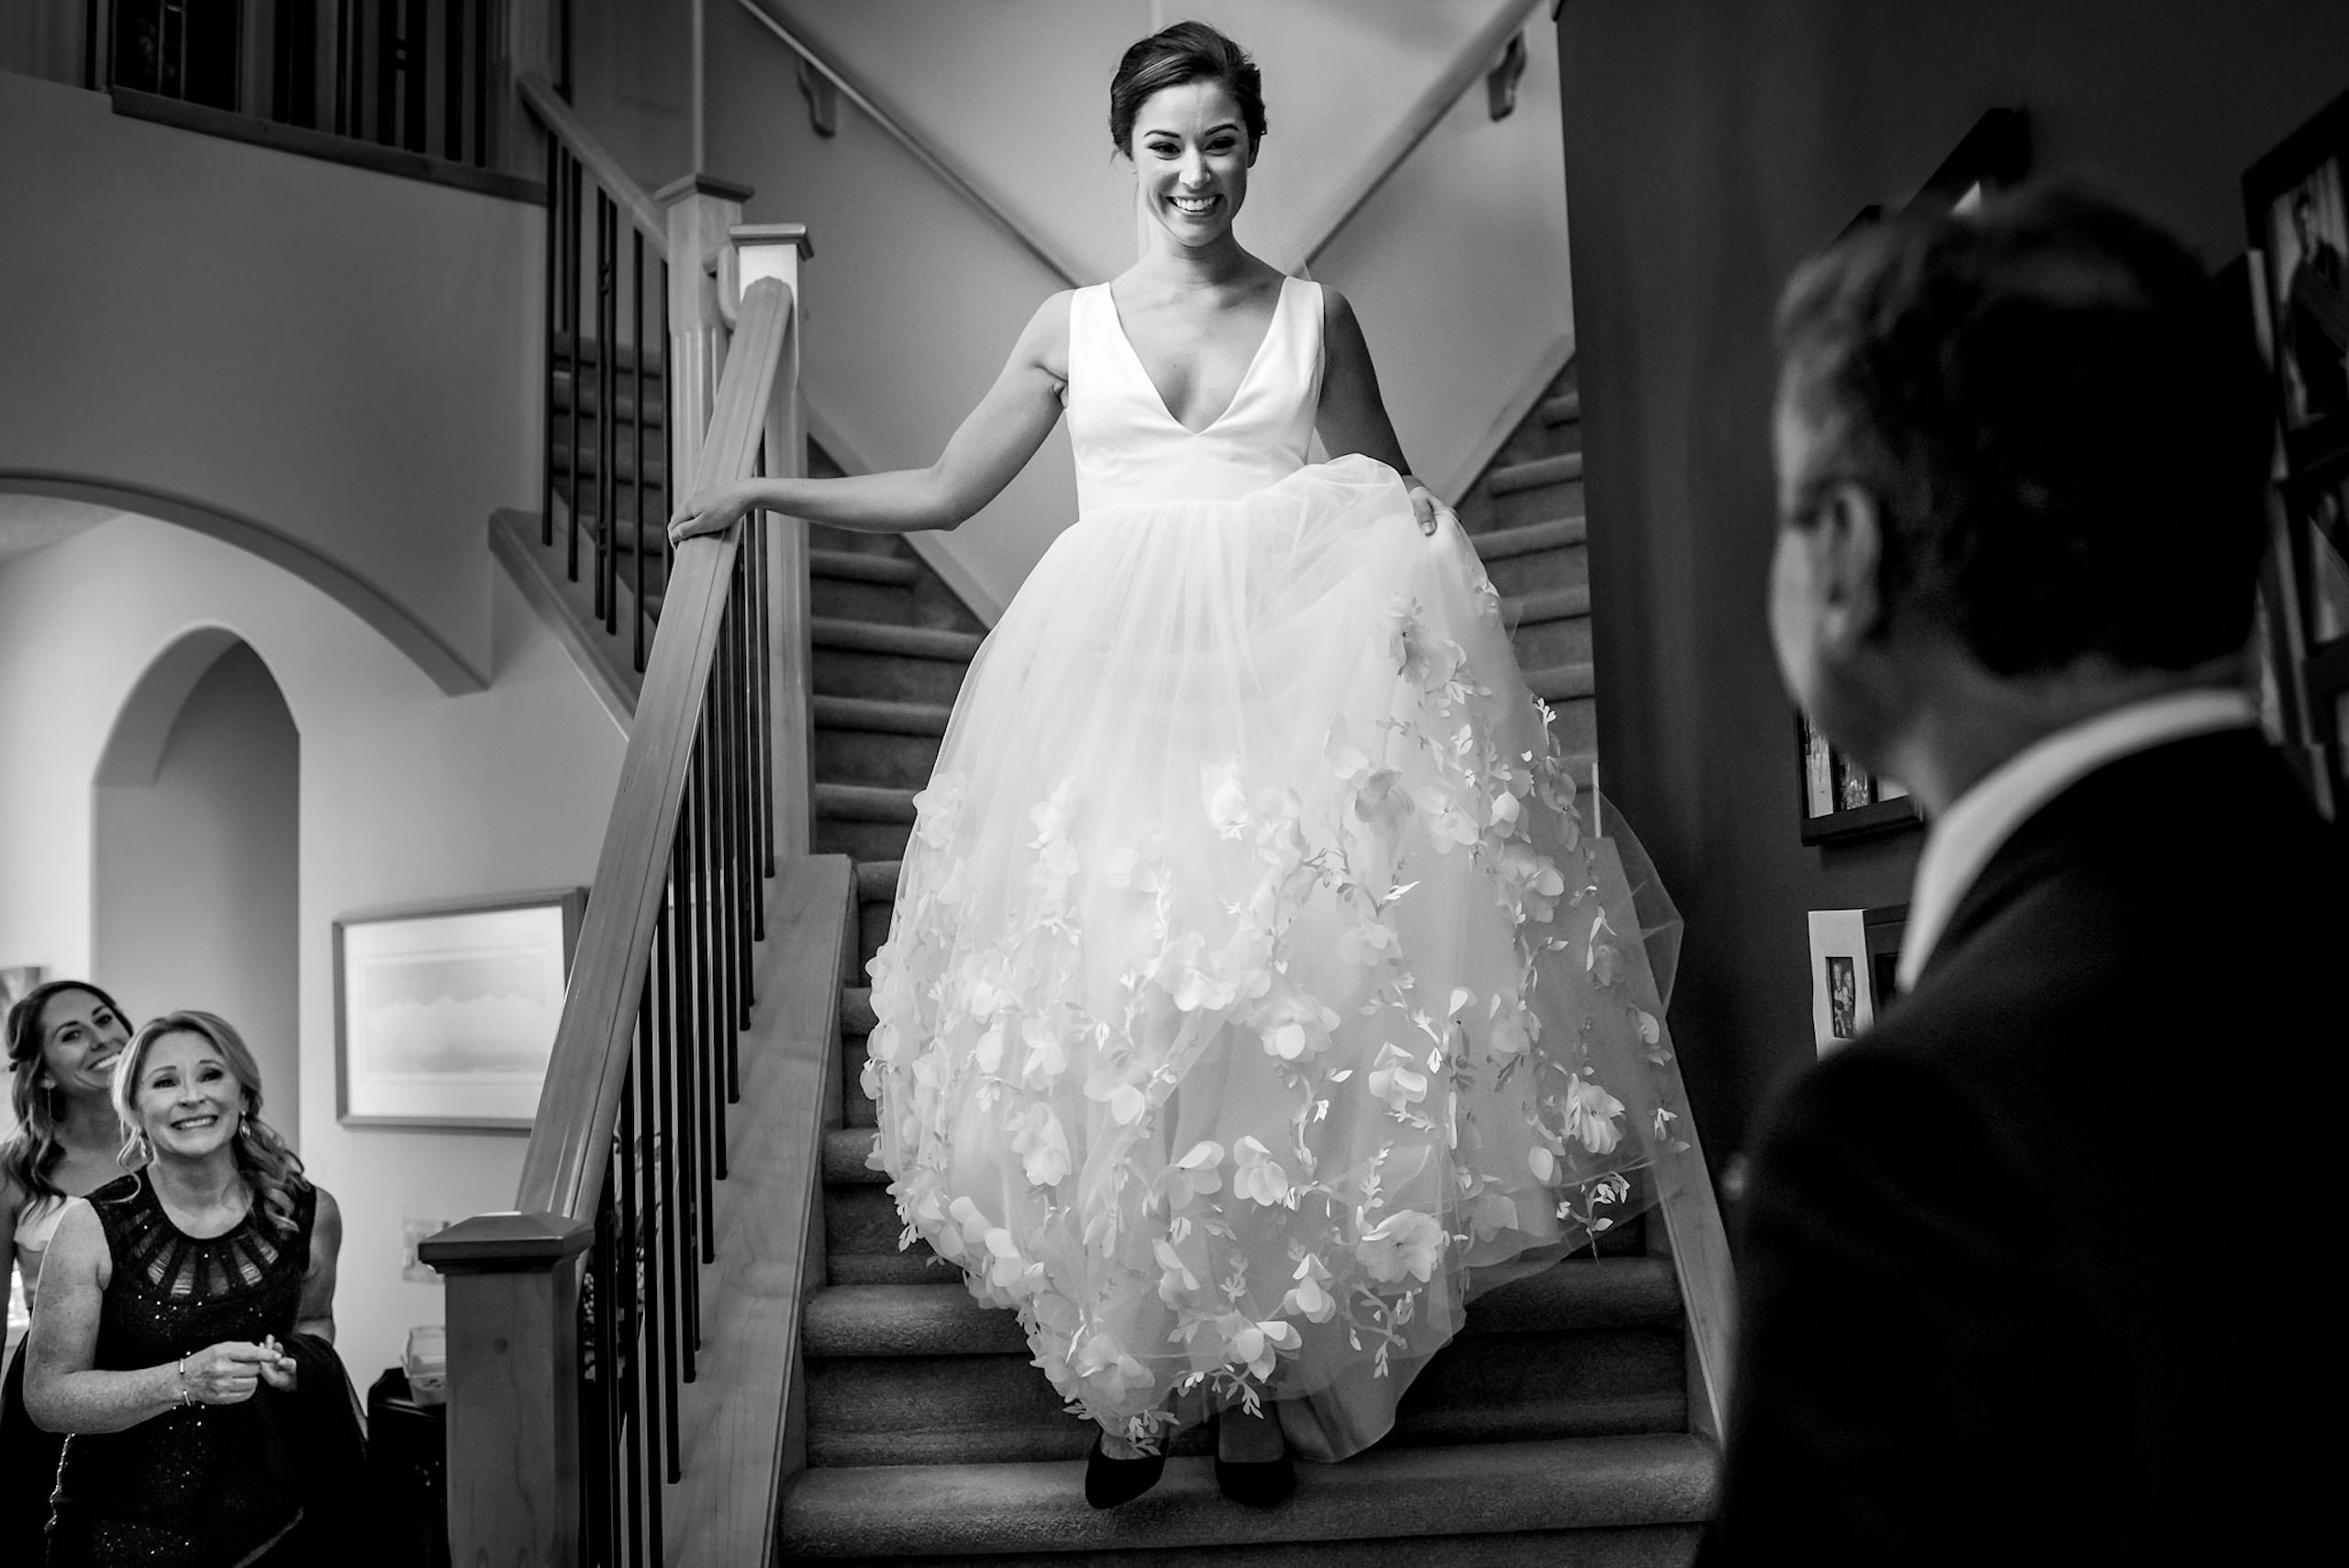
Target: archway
<point>196,845</point>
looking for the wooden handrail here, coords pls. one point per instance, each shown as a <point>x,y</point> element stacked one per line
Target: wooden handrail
<point>1468,66</point>
<point>567,127</point>
<point>953,178</point>
<point>571,1136</point>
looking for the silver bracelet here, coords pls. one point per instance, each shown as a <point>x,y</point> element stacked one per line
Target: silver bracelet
<point>185,1400</point>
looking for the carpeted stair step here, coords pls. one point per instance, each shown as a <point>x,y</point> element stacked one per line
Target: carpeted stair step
<point>850,585</point>
<point>1502,544</point>
<point>591,397</point>
<point>587,458</point>
<point>1561,683</point>
<point>867,740</point>
<point>899,663</point>
<point>1458,1503</point>
<point>876,881</point>
<point>865,1321</point>
<point>857,1009</point>
<point>1563,409</point>
<point>876,893</point>
<point>864,803</point>
<point>959,1406</point>
<point>1533,475</point>
<point>562,348</point>
<point>1550,626</point>
<point>863,566</point>
<point>862,820</point>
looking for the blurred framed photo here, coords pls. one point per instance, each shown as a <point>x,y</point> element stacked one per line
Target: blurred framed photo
<point>2297,208</point>
<point>445,1014</point>
<point>1840,799</point>
<point>2316,511</point>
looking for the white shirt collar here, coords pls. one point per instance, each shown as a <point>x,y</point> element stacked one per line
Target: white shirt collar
<point>1978,822</point>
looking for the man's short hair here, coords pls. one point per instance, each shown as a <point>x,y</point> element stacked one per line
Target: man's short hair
<point>2060,421</point>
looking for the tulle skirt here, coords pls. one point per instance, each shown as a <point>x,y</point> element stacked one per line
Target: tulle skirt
<point>1251,986</point>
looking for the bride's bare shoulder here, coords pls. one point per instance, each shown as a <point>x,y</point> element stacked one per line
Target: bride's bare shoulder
<point>1043,342</point>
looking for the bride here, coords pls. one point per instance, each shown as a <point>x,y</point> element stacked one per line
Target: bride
<point>1249,985</point>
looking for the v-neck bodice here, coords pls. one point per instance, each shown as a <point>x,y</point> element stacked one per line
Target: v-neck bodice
<point>1130,449</point>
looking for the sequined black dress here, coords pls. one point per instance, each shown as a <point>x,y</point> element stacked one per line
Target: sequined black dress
<point>204,1486</point>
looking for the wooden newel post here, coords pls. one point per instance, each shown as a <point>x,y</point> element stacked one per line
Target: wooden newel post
<point>701,210</point>
<point>775,250</point>
<point>512,1301</point>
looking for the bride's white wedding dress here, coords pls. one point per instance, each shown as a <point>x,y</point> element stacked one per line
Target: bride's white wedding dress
<point>1249,985</point>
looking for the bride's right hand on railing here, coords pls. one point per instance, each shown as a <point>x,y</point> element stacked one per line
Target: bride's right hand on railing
<point>711,511</point>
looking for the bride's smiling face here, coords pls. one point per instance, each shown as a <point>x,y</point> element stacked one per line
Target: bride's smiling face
<point>1191,155</point>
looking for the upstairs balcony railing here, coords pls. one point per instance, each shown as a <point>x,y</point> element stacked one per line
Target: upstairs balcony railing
<point>431,80</point>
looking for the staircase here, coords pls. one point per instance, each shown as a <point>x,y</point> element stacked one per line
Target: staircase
<point>1556,1428</point>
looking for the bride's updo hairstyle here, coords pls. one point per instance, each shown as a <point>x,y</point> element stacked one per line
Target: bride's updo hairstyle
<point>1188,51</point>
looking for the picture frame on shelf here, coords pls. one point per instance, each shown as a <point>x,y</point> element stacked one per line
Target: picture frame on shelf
<point>445,1013</point>
<point>1854,971</point>
<point>1839,799</point>
<point>2316,511</point>
<point>2296,206</point>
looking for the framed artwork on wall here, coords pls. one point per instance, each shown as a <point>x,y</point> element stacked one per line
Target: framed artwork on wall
<point>1839,799</point>
<point>445,1014</point>
<point>2296,209</point>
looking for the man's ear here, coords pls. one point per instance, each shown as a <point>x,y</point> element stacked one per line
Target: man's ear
<point>1846,542</point>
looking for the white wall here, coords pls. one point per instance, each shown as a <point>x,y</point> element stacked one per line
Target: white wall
<point>197,873</point>
<point>1459,264</point>
<point>406,794</point>
<point>343,365</point>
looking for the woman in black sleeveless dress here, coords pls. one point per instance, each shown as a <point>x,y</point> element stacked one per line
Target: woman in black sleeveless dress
<point>182,1308</point>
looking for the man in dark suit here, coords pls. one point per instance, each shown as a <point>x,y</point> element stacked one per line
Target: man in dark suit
<point>2027,1272</point>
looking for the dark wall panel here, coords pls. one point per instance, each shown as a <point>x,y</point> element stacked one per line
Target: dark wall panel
<point>1711,144</point>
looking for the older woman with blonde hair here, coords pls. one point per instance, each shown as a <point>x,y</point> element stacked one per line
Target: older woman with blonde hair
<point>181,1306</point>
<point>62,1040</point>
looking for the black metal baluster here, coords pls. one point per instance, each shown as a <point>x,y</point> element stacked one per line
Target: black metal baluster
<point>452,81</point>
<point>714,974</point>
<point>687,1187</point>
<point>555,156</point>
<point>739,782</point>
<point>668,442</point>
<point>606,384</point>
<point>628,1159</point>
<point>665,1060</point>
<point>578,355</point>
<point>481,84</point>
<point>716,716</point>
<point>749,615</point>
<point>762,738</point>
<point>636,431</point>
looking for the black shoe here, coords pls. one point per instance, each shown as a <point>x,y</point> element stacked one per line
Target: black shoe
<point>1109,1482</point>
<point>1258,1483</point>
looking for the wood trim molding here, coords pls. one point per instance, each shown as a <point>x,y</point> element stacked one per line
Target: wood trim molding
<point>735,1418</point>
<point>132,104</point>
